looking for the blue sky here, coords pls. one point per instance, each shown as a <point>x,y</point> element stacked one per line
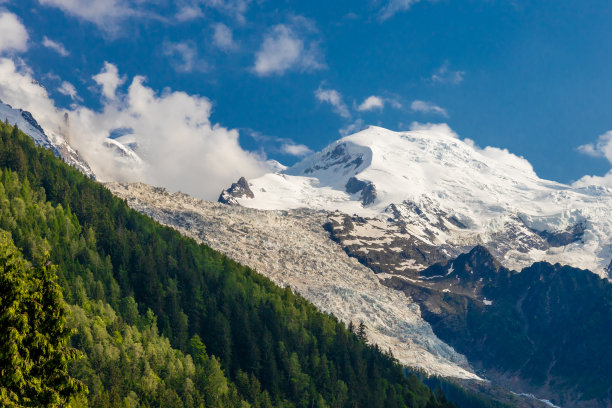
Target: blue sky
<point>534,77</point>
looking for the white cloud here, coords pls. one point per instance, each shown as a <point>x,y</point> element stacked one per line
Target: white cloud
<point>55,46</point>
<point>184,56</point>
<point>394,6</point>
<point>234,8</point>
<point>334,98</point>
<point>188,12</point>
<point>445,75</point>
<point>295,149</point>
<point>179,146</point>
<point>69,90</point>
<point>601,148</point>
<point>223,37</point>
<point>285,48</point>
<point>106,14</point>
<point>438,128</point>
<point>13,34</point>
<point>427,107</point>
<point>371,103</point>
<point>109,80</point>
<point>354,127</point>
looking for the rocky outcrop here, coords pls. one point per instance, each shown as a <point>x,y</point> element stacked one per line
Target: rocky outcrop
<point>367,189</point>
<point>239,189</point>
<point>563,238</point>
<point>540,331</point>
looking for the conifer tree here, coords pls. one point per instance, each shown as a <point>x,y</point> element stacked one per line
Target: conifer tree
<point>33,336</point>
<point>361,332</point>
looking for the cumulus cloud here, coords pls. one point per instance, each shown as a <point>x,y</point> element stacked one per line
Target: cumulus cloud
<point>55,46</point>
<point>223,37</point>
<point>295,149</point>
<point>334,98</point>
<point>171,132</point>
<point>109,80</point>
<point>444,75</point>
<point>601,148</point>
<point>286,47</point>
<point>184,56</point>
<point>371,103</point>
<point>13,34</point>
<point>427,107</point>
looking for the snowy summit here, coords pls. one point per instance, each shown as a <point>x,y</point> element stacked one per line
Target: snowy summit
<point>449,193</point>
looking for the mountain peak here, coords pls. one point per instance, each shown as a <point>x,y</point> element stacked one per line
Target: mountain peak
<point>442,190</point>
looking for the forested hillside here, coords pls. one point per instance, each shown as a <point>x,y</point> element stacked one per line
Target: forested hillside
<point>164,321</point>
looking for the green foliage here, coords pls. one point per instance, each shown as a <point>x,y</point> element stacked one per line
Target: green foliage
<point>127,275</point>
<point>132,365</point>
<point>33,335</point>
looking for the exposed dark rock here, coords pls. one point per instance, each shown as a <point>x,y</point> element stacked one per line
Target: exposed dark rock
<point>239,189</point>
<point>354,185</point>
<point>30,119</point>
<point>368,195</point>
<point>562,238</point>
<point>338,156</point>
<point>376,253</point>
<point>368,190</point>
<point>541,331</point>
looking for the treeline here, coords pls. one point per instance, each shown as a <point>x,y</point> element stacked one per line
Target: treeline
<point>153,308</point>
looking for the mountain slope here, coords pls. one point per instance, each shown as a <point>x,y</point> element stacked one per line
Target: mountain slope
<point>427,188</point>
<point>275,347</point>
<point>57,144</point>
<point>544,330</point>
<point>294,250</point>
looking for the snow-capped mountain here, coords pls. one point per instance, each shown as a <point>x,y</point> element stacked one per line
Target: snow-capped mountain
<point>56,143</point>
<point>423,196</point>
<point>58,140</point>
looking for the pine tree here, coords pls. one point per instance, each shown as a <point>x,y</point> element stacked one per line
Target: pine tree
<point>33,336</point>
<point>361,332</point>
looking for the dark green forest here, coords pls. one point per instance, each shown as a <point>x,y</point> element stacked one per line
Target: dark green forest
<point>162,321</point>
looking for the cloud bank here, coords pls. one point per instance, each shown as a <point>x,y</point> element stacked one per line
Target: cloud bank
<point>179,148</point>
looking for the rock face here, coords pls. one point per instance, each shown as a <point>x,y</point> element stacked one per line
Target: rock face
<point>239,189</point>
<point>366,189</point>
<point>540,331</point>
<point>293,249</point>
